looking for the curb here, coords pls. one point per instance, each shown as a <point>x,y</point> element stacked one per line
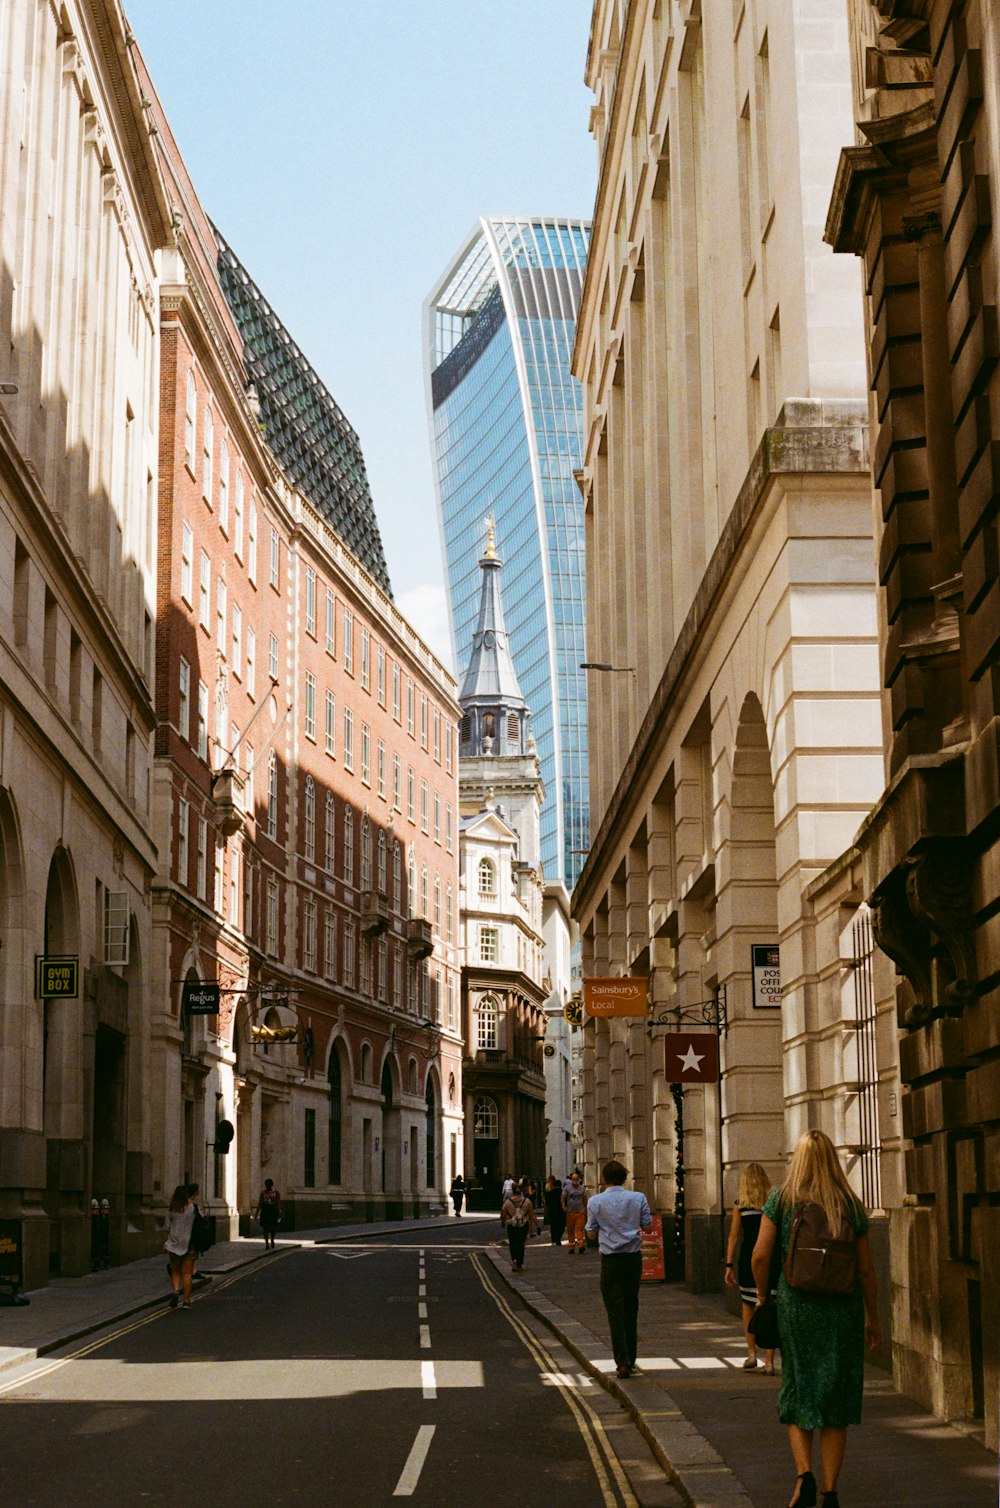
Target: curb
<point>690,1464</point>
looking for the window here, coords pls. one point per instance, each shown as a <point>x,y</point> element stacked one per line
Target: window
<point>205,591</point>
<point>251,662</point>
<point>224,487</point>
<point>331,723</point>
<point>309,1150</point>
<point>221,595</point>
<point>271,921</point>
<point>309,934</point>
<point>380,877</point>
<point>348,641</point>
<point>349,955</point>
<point>424,807</point>
<point>310,705</point>
<point>437,735</point>
<point>275,567</point>
<point>366,754</point>
<point>485,1120</point>
<point>424,892</point>
<point>366,854</point>
<point>395,692</point>
<point>252,542</point>
<point>348,739</point>
<point>201,876</point>
<point>330,944</point>
<point>487,877</point>
<point>487,1024</point>
<point>247,898</point>
<point>409,794</point>
<point>366,659</point>
<point>184,699</point>
<point>448,735</point>
<point>187,563</point>
<point>397,877</point>
<point>310,601</point>
<point>397,977</point>
<point>397,783</point>
<point>248,782</point>
<point>202,720</point>
<point>423,721</point>
<point>329,830</point>
<point>309,819</point>
<point>366,966</point>
<point>381,768</point>
<point>437,818</point>
<point>349,845</point>
<point>183,823</point>
<point>409,706</point>
<point>234,888</point>
<point>449,818</point>
<point>488,945</point>
<point>452,1013</point>
<point>411,884</point>
<point>272,658</point>
<point>238,516</point>
<point>331,623</point>
<point>237,642</point>
<point>190,422</point>
<point>382,987</point>
<point>206,458</point>
<point>449,915</point>
<point>381,676</point>
<point>272,795</point>
<point>437,904</point>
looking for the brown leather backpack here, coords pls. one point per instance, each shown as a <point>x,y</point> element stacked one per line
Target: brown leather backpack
<point>820,1260</point>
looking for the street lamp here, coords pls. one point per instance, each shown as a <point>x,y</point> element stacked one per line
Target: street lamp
<point>605,665</point>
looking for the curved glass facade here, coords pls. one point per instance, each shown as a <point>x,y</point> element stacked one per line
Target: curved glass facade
<point>506,426</point>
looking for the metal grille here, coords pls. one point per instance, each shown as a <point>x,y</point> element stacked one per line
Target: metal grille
<point>864,1001</point>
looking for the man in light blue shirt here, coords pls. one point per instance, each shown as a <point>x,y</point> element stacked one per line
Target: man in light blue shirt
<point>619,1216</point>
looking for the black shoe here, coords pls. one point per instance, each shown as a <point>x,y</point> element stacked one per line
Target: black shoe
<point>175,1299</point>
<point>831,1500</point>
<point>805,1496</point>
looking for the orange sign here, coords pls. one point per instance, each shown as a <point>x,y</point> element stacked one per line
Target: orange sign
<point>616,997</point>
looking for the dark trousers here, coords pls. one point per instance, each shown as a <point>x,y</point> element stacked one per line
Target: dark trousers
<point>621,1273</point>
<point>517,1235</point>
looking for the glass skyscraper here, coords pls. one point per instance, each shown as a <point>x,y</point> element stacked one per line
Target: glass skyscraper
<point>506,432</point>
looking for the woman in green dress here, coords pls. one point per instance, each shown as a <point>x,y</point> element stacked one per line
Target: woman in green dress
<point>822,1334</point>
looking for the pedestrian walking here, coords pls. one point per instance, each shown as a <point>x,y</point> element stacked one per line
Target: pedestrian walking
<point>743,1230</point>
<point>519,1220</point>
<point>574,1203</point>
<point>618,1216</point>
<point>268,1211</point>
<point>827,1308</point>
<point>508,1188</point>
<point>177,1243</point>
<point>458,1192</point>
<point>555,1215</point>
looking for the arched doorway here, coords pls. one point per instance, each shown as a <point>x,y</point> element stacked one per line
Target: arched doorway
<point>431,1150</point>
<point>486,1148</point>
<point>335,1132</point>
<point>391,1141</point>
<point>69,1171</point>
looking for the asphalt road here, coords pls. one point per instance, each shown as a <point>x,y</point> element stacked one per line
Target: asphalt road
<point>361,1373</point>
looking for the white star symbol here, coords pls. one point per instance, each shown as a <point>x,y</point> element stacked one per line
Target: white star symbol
<point>690,1061</point>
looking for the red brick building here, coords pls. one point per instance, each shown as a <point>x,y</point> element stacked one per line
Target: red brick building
<point>305,784</point>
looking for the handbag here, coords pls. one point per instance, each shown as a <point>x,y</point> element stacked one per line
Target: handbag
<point>202,1234</point>
<point>763,1326</point>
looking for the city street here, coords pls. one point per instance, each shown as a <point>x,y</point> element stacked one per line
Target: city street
<point>371,1370</point>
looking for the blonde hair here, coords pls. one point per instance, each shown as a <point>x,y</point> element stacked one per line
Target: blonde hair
<point>815,1173</point>
<point>754,1187</point>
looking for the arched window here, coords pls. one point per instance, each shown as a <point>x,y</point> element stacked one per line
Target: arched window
<point>309,807</point>
<point>190,421</point>
<point>411,884</point>
<point>328,832</point>
<point>397,877</point>
<point>206,457</point>
<point>430,1099</point>
<point>272,795</point>
<point>437,904</point>
<point>488,1024</point>
<point>485,1121</point>
<point>366,1063</point>
<point>349,845</point>
<point>381,863</point>
<point>424,910</point>
<point>336,1117</point>
<point>487,877</point>
<point>411,1076</point>
<point>224,486</point>
<point>366,854</point>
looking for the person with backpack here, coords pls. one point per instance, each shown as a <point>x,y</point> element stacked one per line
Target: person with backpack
<point>518,1218</point>
<point>177,1242</point>
<point>827,1308</point>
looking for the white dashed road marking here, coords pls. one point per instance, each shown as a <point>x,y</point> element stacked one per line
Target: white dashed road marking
<point>415,1461</point>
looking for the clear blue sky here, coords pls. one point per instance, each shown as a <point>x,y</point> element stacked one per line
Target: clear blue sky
<point>345,149</point>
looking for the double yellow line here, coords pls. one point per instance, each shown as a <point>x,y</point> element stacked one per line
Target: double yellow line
<point>602,1457</point>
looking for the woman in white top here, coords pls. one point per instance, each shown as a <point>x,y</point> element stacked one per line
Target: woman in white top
<point>180,1220</point>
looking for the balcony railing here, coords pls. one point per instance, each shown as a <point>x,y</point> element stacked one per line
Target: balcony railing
<point>375,917</point>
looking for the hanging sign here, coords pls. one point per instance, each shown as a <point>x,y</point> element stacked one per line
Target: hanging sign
<point>691,1057</point>
<point>765,964</point>
<point>616,997</point>
<point>57,978</point>
<point>654,1268</point>
<point>201,999</point>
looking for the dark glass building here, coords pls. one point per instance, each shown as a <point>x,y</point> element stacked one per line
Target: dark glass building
<point>506,431</point>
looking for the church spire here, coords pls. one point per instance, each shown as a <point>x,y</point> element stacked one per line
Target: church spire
<point>495,717</point>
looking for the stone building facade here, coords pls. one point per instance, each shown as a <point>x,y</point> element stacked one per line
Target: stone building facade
<point>83,213</point>
<point>915,199</point>
<point>735,720</point>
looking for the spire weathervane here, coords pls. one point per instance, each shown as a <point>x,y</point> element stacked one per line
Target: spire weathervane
<point>491,538</point>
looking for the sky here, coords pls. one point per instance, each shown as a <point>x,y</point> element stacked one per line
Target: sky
<point>345,150</point>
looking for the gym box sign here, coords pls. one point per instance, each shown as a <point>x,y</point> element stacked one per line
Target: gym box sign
<point>57,978</point>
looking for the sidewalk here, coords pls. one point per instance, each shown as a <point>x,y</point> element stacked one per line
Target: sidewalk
<point>714,1427</point>
<point>70,1308</point>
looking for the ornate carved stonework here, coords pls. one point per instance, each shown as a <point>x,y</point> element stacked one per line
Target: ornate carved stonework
<point>922,917</point>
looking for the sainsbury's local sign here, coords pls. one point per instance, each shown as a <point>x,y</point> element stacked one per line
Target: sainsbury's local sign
<point>616,997</point>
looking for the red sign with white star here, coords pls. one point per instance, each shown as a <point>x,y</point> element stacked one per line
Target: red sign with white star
<point>691,1057</point>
